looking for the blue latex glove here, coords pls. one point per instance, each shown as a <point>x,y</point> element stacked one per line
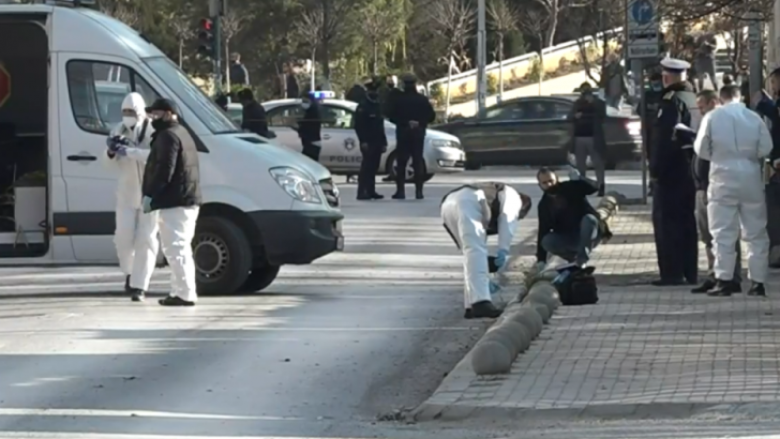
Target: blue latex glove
<point>494,287</point>
<point>147,204</point>
<point>501,258</point>
<point>574,174</point>
<point>540,266</point>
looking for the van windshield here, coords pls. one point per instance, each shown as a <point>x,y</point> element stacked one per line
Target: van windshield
<point>192,96</point>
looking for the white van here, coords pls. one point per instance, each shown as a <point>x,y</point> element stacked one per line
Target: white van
<point>264,205</point>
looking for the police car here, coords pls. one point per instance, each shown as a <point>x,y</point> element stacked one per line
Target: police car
<point>340,149</point>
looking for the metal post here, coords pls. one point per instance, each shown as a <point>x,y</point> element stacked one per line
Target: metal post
<point>756,52</point>
<point>481,59</point>
<point>217,10</point>
<point>637,67</point>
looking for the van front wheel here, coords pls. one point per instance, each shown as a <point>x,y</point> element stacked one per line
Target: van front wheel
<point>260,278</point>
<point>223,256</point>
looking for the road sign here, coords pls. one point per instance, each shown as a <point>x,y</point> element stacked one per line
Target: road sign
<point>642,28</point>
<point>5,85</point>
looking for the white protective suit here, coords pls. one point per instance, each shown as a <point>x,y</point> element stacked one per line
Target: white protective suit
<point>135,235</point>
<point>465,214</point>
<point>735,140</point>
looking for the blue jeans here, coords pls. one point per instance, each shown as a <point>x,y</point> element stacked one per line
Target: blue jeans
<point>574,247</point>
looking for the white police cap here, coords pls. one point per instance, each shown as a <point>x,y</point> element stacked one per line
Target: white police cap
<point>675,65</point>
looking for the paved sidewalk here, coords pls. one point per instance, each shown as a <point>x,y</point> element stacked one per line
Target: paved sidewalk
<point>640,350</point>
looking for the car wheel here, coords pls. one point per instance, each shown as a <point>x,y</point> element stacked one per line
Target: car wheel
<point>260,278</point>
<point>391,170</point>
<point>223,256</point>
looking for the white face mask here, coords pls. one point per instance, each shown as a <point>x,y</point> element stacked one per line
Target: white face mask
<point>129,121</point>
<point>305,105</point>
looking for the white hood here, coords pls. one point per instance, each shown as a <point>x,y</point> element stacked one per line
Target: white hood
<point>135,101</point>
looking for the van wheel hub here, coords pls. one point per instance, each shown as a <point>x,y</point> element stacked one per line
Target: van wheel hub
<point>211,255</point>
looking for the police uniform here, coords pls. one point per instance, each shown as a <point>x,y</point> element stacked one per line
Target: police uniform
<point>674,192</point>
<point>770,109</point>
<point>370,130</point>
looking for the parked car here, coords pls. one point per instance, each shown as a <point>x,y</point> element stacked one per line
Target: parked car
<point>340,149</point>
<point>535,131</point>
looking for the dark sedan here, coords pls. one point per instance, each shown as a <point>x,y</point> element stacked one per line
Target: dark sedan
<point>536,131</point>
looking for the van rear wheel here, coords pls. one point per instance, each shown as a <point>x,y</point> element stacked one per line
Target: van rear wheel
<point>260,278</point>
<point>223,256</point>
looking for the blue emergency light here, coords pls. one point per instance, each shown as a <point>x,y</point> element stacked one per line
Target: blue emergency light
<point>320,95</point>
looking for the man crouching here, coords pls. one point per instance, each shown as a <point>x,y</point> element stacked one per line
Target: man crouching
<point>470,214</point>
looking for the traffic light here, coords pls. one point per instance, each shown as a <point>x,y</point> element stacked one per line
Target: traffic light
<point>206,38</point>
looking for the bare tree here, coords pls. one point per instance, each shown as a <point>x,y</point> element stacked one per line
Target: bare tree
<point>596,19</point>
<point>534,22</point>
<point>181,25</point>
<point>455,21</point>
<point>308,29</point>
<point>123,11</point>
<point>233,23</point>
<point>379,23</point>
<point>503,19</point>
<point>552,8</point>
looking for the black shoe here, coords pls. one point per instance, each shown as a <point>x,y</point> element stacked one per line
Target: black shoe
<point>725,289</point>
<point>399,196</point>
<point>757,289</point>
<point>667,282</point>
<point>138,295</point>
<point>483,310</point>
<point>418,194</point>
<point>704,287</point>
<point>467,314</point>
<point>175,301</point>
<point>128,290</point>
<point>377,197</point>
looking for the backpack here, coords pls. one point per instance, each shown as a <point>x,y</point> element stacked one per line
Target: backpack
<point>578,288</point>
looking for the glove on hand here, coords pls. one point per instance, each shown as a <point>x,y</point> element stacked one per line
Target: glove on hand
<point>147,204</point>
<point>501,258</point>
<point>540,266</point>
<point>574,174</point>
<point>494,287</point>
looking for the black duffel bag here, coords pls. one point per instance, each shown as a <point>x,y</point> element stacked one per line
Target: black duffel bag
<point>578,288</point>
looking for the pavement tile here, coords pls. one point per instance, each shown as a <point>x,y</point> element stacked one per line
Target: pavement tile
<point>639,345</point>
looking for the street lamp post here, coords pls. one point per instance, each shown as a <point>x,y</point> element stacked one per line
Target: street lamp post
<point>481,59</point>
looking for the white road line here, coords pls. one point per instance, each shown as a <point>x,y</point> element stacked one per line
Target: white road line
<point>54,435</point>
<point>135,413</point>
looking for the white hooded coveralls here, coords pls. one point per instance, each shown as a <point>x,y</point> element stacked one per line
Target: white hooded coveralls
<point>735,140</point>
<point>135,235</point>
<point>465,214</point>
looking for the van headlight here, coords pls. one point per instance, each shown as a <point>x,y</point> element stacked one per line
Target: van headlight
<point>442,143</point>
<point>297,184</point>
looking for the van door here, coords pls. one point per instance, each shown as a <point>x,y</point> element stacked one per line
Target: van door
<point>90,95</point>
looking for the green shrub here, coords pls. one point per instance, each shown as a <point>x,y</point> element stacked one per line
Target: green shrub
<point>492,84</point>
<point>535,72</point>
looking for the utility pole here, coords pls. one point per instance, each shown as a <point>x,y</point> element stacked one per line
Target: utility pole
<point>481,59</point>
<point>216,12</point>
<point>755,51</point>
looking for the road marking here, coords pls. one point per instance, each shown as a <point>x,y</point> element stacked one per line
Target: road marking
<point>54,435</point>
<point>135,413</point>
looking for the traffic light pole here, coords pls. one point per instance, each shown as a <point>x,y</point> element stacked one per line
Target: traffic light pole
<point>217,50</point>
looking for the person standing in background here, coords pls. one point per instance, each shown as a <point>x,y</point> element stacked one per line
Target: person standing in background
<point>704,60</point>
<point>357,93</point>
<point>253,118</point>
<point>309,128</point>
<point>587,133</point>
<point>291,88</point>
<point>370,130</point>
<point>388,94</point>
<point>239,75</point>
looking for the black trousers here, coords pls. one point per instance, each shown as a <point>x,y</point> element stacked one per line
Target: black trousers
<point>411,145</point>
<point>369,165</point>
<point>674,227</point>
<point>311,150</point>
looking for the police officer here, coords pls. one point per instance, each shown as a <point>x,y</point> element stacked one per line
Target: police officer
<point>767,104</point>
<point>674,194</point>
<point>370,129</point>
<point>652,99</point>
<point>411,113</point>
<point>309,127</point>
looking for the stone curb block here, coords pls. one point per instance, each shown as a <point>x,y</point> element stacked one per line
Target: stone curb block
<point>521,322</point>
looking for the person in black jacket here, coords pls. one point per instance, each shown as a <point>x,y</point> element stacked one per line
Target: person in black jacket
<point>309,127</point>
<point>370,129</point>
<point>239,75</point>
<point>171,184</point>
<point>707,100</point>
<point>569,227</point>
<point>411,113</point>
<point>358,91</point>
<point>253,116</point>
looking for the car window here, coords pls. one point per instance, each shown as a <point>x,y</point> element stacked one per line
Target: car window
<point>284,116</point>
<point>97,90</point>
<point>336,117</point>
<point>545,110</point>
<point>505,112</point>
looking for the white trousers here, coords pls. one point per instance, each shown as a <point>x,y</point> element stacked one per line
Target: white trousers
<point>177,228</point>
<point>136,243</point>
<point>729,207</point>
<point>462,215</point>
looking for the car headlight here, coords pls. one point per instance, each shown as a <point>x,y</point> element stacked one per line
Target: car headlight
<point>297,184</point>
<point>442,143</point>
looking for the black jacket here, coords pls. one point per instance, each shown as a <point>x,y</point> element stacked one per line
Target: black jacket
<point>561,210</point>
<point>310,125</point>
<point>254,119</point>
<point>669,162</point>
<point>356,94</point>
<point>238,74</point>
<point>369,123</point>
<point>771,110</point>
<point>291,86</point>
<point>172,172</point>
<point>410,105</point>
<point>700,169</point>
<point>388,96</point>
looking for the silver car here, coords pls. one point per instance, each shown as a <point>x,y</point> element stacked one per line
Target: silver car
<point>340,150</point>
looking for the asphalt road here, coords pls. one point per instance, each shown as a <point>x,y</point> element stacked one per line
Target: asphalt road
<point>324,352</point>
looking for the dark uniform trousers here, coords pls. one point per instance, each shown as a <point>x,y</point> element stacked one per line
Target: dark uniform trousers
<point>311,150</point>
<point>674,227</point>
<point>410,145</point>
<point>372,155</point>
